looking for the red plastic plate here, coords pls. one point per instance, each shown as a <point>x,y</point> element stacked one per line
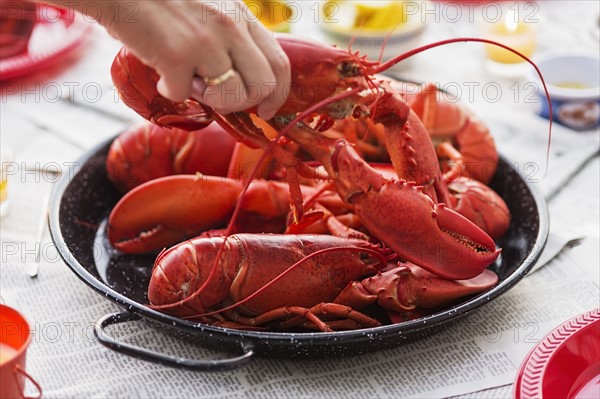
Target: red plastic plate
<point>56,32</point>
<point>565,364</point>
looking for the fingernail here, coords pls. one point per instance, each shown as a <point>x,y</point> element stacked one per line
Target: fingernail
<point>162,88</point>
<point>198,87</point>
<point>167,92</point>
<point>265,113</point>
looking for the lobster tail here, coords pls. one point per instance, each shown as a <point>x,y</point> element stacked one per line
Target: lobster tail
<point>186,280</point>
<point>184,271</point>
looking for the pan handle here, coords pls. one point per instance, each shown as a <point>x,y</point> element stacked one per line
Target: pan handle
<point>146,354</point>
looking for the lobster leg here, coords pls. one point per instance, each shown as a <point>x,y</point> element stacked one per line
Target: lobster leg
<point>242,126</point>
<point>321,220</point>
<point>457,161</point>
<point>336,316</point>
<point>344,317</point>
<point>284,312</point>
<point>317,317</point>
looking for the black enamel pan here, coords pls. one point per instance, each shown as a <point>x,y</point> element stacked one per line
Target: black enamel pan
<point>82,201</point>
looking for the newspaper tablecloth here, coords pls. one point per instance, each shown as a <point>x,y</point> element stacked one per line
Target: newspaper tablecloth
<point>52,118</point>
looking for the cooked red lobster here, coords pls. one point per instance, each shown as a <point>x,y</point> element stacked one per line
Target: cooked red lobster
<point>287,280</point>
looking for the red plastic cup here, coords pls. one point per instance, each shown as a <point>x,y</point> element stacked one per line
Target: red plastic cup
<point>15,337</point>
<point>17,20</point>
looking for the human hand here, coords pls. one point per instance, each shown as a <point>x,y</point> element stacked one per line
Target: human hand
<point>188,40</point>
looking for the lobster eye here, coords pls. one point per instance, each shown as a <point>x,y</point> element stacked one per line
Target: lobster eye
<point>365,256</point>
<point>349,69</point>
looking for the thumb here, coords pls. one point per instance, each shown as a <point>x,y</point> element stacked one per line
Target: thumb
<point>176,83</point>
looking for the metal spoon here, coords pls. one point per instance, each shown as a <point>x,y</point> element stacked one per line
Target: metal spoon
<point>33,271</point>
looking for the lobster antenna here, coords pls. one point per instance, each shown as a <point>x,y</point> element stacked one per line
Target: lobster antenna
<point>380,257</point>
<point>315,196</point>
<point>355,35</point>
<point>385,41</point>
<point>408,54</point>
<point>370,81</point>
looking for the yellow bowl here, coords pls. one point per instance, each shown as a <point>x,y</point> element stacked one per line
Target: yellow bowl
<point>275,15</point>
<point>398,33</point>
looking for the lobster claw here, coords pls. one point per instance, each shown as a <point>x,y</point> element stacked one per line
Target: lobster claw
<point>165,211</point>
<point>406,287</point>
<point>410,223</point>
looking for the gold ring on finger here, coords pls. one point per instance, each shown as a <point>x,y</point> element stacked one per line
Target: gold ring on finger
<point>225,76</point>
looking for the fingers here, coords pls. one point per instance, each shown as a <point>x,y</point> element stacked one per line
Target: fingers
<point>253,66</point>
<point>219,44</point>
<point>225,97</point>
<point>251,83</point>
<point>280,67</point>
<point>262,76</point>
<point>175,83</point>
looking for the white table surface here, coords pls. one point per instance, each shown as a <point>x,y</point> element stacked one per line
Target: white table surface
<point>44,129</point>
